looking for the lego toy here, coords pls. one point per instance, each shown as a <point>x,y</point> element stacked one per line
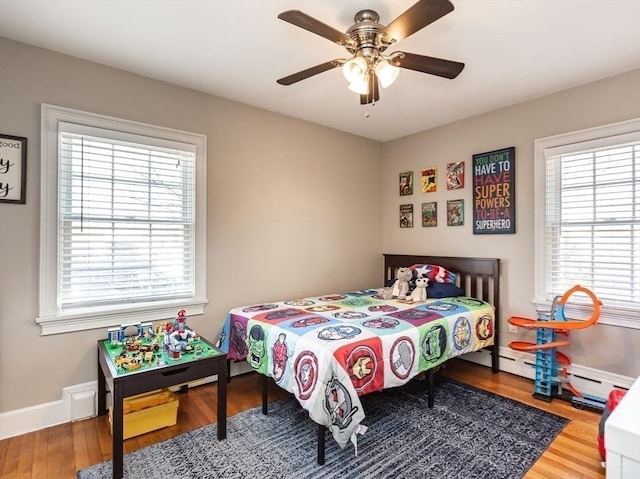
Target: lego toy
<point>149,347</point>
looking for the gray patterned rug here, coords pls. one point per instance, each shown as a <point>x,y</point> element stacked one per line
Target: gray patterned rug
<point>469,433</point>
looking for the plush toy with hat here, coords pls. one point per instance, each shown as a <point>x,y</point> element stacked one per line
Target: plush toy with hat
<point>401,285</point>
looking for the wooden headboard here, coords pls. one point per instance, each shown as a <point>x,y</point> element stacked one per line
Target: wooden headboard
<point>478,277</point>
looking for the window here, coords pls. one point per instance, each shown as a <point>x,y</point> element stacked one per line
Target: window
<point>122,222</point>
<point>588,218</point>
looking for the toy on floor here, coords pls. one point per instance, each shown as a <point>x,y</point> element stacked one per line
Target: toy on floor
<point>614,399</point>
<point>551,365</point>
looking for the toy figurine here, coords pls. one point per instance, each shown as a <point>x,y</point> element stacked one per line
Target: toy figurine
<point>181,320</point>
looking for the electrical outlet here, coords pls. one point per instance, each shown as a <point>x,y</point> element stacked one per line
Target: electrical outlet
<point>513,328</point>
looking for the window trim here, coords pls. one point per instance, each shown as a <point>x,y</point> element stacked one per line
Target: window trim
<point>49,319</point>
<point>612,315</point>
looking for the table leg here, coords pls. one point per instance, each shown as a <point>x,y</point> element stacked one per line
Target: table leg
<point>102,390</point>
<point>223,373</point>
<point>118,431</point>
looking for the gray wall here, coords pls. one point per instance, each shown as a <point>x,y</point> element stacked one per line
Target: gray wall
<point>616,350</point>
<point>282,194</point>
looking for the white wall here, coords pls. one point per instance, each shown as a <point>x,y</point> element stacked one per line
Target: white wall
<point>615,350</point>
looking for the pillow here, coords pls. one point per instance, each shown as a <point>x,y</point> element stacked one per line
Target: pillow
<point>443,290</point>
<point>433,273</point>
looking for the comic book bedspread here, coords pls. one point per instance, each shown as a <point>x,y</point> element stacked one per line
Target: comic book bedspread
<point>328,350</point>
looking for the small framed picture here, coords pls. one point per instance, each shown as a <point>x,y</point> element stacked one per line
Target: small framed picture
<point>406,183</point>
<point>406,216</point>
<point>455,175</point>
<point>455,212</point>
<point>13,169</point>
<point>430,214</point>
<point>429,179</point>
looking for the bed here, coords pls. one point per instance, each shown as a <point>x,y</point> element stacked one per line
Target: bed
<point>329,350</point>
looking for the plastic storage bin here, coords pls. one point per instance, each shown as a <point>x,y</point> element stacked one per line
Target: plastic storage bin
<point>148,412</point>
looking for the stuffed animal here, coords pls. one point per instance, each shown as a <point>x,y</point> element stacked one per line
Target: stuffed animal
<point>420,291</point>
<point>401,286</point>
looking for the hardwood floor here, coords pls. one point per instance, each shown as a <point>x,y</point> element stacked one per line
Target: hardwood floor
<point>58,452</point>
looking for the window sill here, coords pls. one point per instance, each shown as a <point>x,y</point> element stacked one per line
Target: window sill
<point>68,323</point>
<point>610,315</point>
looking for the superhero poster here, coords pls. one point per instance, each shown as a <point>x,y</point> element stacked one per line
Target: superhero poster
<point>406,183</point>
<point>455,175</point>
<point>429,180</point>
<point>430,214</point>
<point>494,192</point>
<point>406,216</point>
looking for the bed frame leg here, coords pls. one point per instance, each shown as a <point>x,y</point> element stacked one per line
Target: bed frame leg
<point>265,391</point>
<point>431,398</point>
<point>321,434</point>
<point>495,356</point>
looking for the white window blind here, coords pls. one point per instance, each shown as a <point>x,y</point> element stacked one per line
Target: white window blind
<point>122,221</point>
<point>592,220</point>
<point>126,218</point>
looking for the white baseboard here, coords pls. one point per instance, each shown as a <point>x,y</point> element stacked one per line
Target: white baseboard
<point>586,380</point>
<point>80,401</point>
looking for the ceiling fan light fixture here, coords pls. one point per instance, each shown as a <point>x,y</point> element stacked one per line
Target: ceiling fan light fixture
<point>386,72</point>
<point>367,41</point>
<point>355,69</point>
<point>360,86</point>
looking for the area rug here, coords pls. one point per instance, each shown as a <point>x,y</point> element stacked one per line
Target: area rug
<point>469,433</point>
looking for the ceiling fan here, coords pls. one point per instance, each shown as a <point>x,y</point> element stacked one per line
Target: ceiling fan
<point>367,40</point>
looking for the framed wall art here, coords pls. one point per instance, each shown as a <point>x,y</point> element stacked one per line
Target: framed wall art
<point>406,216</point>
<point>455,175</point>
<point>406,183</point>
<point>430,214</point>
<point>455,212</point>
<point>13,169</point>
<point>494,192</point>
<point>429,179</point>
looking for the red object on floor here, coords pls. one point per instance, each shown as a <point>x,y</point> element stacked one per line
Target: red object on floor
<point>612,401</point>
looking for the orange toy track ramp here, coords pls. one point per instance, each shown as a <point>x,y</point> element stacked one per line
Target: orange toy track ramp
<point>570,325</point>
<point>524,346</point>
<point>562,358</point>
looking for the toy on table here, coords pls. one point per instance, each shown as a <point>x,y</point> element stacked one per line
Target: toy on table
<point>133,351</point>
<point>548,326</point>
<point>177,337</point>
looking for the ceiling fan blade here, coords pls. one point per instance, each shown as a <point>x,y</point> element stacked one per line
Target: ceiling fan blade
<point>374,91</point>
<point>416,18</point>
<point>309,72</point>
<point>433,66</point>
<point>302,20</point>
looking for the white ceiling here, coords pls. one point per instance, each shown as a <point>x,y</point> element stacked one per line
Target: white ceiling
<point>514,50</point>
